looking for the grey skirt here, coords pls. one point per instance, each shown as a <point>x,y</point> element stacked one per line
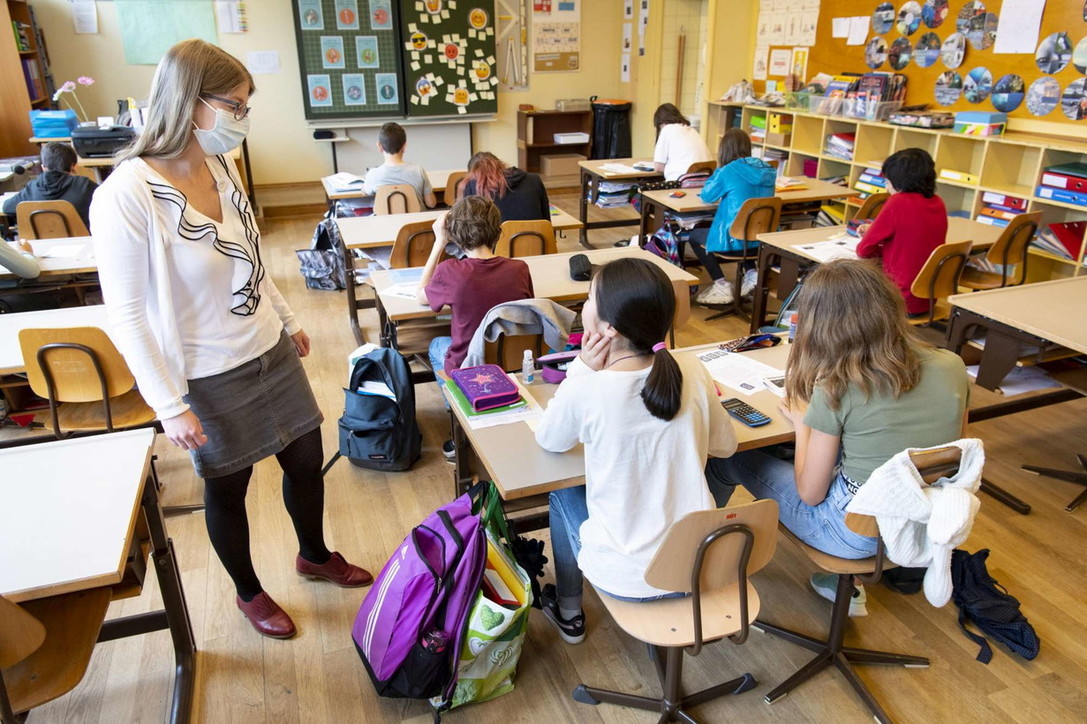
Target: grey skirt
<point>252,411</point>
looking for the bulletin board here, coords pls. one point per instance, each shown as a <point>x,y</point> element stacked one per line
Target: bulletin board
<point>363,59</point>
<point>832,55</point>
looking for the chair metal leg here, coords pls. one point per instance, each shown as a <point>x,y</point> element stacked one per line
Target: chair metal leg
<point>812,644</point>
<point>867,656</point>
<point>850,675</point>
<point>738,685</point>
<point>805,672</point>
<point>588,695</point>
<point>1068,476</point>
<point>1003,496</point>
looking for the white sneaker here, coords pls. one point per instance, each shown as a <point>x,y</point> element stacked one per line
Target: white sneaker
<point>720,292</point>
<point>747,286</point>
<point>826,585</point>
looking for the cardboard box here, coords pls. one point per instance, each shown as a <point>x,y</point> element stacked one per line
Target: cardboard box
<point>778,123</point>
<point>777,139</point>
<point>560,164</point>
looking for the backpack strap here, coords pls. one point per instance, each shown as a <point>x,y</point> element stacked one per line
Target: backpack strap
<point>985,654</point>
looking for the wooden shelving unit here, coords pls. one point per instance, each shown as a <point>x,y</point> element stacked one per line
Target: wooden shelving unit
<point>1009,164</point>
<point>536,135</point>
<point>18,101</point>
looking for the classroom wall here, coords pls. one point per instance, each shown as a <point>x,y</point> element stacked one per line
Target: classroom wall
<point>281,144</point>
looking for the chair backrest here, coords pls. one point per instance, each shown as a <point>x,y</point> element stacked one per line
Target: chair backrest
<point>76,364</point>
<point>1010,250</point>
<point>526,238</point>
<point>756,216</point>
<point>872,206</point>
<point>508,352</point>
<point>412,246</point>
<point>454,187</point>
<point>939,277</point>
<point>20,634</point>
<point>683,303</point>
<point>931,464</point>
<point>49,220</point>
<point>396,199</point>
<point>702,167</point>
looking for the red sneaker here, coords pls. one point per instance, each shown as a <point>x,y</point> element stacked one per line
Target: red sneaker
<point>336,570</point>
<point>267,617</point>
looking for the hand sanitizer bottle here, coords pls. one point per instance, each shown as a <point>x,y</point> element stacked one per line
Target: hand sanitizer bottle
<point>528,368</point>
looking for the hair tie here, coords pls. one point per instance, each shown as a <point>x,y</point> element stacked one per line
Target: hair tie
<point>659,346</point>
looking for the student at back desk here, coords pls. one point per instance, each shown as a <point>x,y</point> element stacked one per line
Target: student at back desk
<point>391,141</point>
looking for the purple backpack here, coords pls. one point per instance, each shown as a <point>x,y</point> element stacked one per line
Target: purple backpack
<point>410,627</point>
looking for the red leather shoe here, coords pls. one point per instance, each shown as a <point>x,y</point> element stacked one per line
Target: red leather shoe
<point>267,617</point>
<point>336,570</point>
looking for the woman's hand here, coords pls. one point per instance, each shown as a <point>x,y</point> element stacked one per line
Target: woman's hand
<point>594,350</point>
<point>185,431</point>
<point>301,342</point>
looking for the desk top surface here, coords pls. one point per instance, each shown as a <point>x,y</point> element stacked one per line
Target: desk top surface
<point>68,510</point>
<point>360,232</point>
<point>1054,310</point>
<point>438,181</point>
<point>11,357</point>
<point>814,190</point>
<point>520,467</point>
<point>958,229</point>
<point>550,279</point>
<point>60,257</point>
<point>596,168</point>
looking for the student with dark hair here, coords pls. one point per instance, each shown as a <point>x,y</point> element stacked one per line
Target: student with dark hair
<point>57,183</point>
<point>678,145</point>
<point>910,225</point>
<point>648,421</point>
<point>519,195</point>
<point>468,286</point>
<point>738,177</point>
<point>391,141</point>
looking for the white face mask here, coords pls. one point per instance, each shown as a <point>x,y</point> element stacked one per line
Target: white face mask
<point>226,135</point>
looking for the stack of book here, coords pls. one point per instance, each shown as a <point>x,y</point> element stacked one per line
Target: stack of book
<point>613,194</point>
<point>773,154</point>
<point>840,145</point>
<point>831,213</point>
<point>758,129</point>
<point>999,209</point>
<point>1063,240</point>
<point>1066,183</point>
<point>22,35</point>
<point>870,182</point>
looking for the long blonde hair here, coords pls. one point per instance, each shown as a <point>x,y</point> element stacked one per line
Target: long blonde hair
<point>851,329</point>
<point>188,70</point>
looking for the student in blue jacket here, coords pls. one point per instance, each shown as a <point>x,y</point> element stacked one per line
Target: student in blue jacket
<point>738,177</point>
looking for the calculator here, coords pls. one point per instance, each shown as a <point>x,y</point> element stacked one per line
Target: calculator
<point>744,412</point>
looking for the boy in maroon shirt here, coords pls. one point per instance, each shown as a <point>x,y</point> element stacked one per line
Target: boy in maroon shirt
<point>910,225</point>
<point>472,285</point>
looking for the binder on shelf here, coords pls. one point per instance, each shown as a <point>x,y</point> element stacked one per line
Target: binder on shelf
<point>1069,169</point>
<point>961,176</point>
<point>999,213</point>
<point>1012,202</point>
<point>992,221</point>
<point>1064,181</point>
<point>1062,195</point>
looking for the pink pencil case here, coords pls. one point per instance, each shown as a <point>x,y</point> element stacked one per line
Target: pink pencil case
<point>486,386</point>
<point>553,366</point>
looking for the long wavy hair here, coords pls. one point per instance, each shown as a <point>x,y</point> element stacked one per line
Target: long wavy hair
<point>489,173</point>
<point>190,69</point>
<point>851,330</point>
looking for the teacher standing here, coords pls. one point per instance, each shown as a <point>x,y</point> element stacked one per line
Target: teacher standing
<point>213,345</point>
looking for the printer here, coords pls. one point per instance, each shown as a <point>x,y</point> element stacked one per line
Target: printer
<point>94,142</point>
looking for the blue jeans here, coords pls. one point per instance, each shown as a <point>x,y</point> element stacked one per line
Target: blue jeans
<point>568,511</point>
<point>765,476</point>
<point>436,352</point>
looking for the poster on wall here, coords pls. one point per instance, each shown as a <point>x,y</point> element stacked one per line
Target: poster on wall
<point>511,43</point>
<point>556,35</point>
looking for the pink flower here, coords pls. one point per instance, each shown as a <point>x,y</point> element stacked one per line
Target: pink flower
<point>85,80</point>
<point>68,87</point>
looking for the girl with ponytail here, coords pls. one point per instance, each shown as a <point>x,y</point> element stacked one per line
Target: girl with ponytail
<point>648,421</point>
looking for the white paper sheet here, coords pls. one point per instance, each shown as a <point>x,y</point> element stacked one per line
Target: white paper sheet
<point>1017,30</point>
<point>406,290</point>
<point>858,30</point>
<point>529,414</point>
<point>839,27</point>
<point>840,246</point>
<point>85,16</point>
<point>262,62</point>
<point>1020,380</point>
<point>618,168</point>
<point>65,251</point>
<point>738,371</point>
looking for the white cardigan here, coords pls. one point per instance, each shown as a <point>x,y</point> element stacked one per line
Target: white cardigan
<point>137,218</point>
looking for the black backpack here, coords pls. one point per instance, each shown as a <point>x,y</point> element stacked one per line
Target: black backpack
<point>992,609</point>
<point>322,264</point>
<point>376,431</point>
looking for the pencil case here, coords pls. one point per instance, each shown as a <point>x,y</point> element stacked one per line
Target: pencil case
<point>553,366</point>
<point>486,386</point>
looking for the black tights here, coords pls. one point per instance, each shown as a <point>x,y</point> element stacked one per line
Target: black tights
<point>697,242</point>
<point>303,496</point>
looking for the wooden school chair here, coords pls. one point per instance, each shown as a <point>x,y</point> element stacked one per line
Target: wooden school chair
<point>526,238</point>
<point>85,379</point>
<point>1010,252</point>
<point>932,465</point>
<point>756,216</point>
<point>709,554</point>
<point>396,199</point>
<point>49,220</point>
<point>702,167</point>
<point>508,351</point>
<point>454,187</point>
<point>939,279</point>
<point>412,246</point>
<point>872,206</point>
<point>411,337</point>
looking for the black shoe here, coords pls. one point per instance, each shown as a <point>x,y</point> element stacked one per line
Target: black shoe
<point>449,451</point>
<point>571,630</point>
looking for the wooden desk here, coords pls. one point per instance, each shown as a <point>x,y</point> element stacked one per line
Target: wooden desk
<point>592,173</point>
<point>652,201</point>
<point>520,468</point>
<point>11,358</point>
<point>61,257</point>
<point>74,528</point>
<point>783,249</point>
<point>550,280</point>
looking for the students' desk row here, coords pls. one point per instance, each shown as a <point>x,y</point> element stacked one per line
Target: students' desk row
<point>550,280</point>
<point>61,257</point>
<point>785,250</point>
<point>72,514</point>
<point>521,469</point>
<point>369,232</point>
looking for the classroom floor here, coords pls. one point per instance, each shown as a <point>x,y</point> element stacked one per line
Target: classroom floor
<point>317,677</point>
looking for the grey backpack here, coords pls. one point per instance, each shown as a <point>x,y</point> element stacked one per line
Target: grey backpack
<point>322,264</point>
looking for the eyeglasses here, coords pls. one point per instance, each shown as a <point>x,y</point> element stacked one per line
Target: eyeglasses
<point>240,109</point>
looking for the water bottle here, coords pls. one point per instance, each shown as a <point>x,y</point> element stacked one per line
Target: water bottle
<point>528,368</point>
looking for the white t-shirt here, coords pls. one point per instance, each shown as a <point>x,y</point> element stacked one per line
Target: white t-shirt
<point>641,473</point>
<point>678,146</point>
